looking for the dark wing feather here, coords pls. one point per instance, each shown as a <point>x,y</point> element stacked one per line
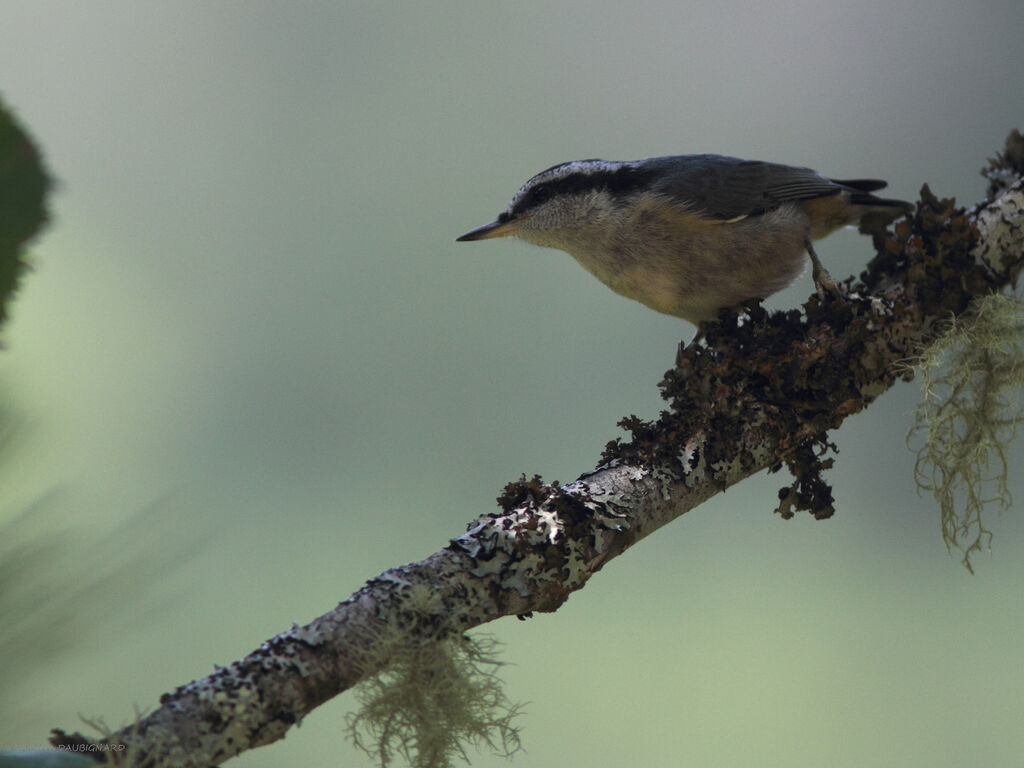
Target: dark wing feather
<point>727,187</point>
<point>863,185</point>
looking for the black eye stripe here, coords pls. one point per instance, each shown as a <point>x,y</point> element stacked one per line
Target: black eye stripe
<point>618,181</point>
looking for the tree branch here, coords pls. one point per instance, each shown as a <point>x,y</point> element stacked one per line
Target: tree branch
<point>758,394</point>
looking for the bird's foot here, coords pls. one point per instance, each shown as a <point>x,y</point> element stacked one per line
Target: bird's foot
<point>823,281</point>
<point>684,345</point>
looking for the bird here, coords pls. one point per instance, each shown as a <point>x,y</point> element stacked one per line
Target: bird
<point>689,235</point>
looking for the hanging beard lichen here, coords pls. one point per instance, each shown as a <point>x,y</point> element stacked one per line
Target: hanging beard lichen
<point>431,702</point>
<point>972,376</point>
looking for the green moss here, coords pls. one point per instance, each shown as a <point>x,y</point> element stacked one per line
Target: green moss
<point>972,377</point>
<point>432,702</point>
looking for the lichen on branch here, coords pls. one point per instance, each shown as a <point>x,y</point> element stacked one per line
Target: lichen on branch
<point>972,376</point>
<point>433,701</point>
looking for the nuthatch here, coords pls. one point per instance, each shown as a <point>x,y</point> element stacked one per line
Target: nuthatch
<point>690,234</point>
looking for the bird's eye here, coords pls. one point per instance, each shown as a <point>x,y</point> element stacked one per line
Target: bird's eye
<point>541,194</point>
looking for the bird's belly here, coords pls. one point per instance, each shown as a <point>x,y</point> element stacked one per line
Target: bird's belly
<point>695,284</point>
<point>661,291</point>
<point>691,270</point>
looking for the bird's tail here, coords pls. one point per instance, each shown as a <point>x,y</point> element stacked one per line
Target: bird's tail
<point>876,213</point>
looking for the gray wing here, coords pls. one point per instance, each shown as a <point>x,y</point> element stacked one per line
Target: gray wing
<point>728,188</point>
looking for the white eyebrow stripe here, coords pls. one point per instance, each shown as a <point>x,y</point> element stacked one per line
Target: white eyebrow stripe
<point>558,172</point>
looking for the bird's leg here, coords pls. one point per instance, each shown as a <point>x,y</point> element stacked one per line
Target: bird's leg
<point>822,279</point>
<point>684,345</point>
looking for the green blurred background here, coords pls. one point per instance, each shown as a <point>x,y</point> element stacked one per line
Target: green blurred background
<point>252,368</point>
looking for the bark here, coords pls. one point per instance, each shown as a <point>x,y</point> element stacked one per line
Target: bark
<point>756,395</point>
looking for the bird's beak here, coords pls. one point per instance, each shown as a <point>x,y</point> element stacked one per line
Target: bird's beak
<point>494,229</point>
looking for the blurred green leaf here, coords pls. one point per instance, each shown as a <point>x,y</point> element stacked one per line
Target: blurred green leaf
<point>24,184</point>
